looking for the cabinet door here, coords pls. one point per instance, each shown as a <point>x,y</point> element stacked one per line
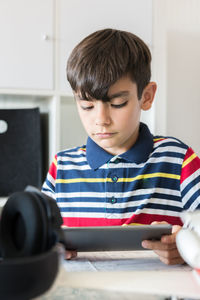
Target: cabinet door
<point>26,52</point>
<point>79,18</point>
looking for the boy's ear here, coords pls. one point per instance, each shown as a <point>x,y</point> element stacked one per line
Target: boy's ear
<point>148,95</point>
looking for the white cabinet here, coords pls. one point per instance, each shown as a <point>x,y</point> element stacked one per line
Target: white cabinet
<point>177,64</point>
<point>36,39</point>
<point>26,37</point>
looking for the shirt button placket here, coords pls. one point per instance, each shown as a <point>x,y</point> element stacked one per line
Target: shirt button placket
<point>113,200</point>
<point>114,178</point>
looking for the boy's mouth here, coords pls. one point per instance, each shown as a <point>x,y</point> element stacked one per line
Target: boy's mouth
<point>104,135</point>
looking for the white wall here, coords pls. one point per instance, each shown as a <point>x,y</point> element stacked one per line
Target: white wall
<point>176,39</point>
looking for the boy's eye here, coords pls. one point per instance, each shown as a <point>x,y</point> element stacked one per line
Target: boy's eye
<point>86,107</point>
<point>119,105</point>
<point>85,104</point>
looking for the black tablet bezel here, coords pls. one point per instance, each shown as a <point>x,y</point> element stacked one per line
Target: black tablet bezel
<point>112,238</point>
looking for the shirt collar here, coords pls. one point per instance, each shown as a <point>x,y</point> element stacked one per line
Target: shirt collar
<point>138,153</point>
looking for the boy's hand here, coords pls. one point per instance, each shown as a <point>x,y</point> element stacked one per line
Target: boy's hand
<point>166,248</point>
<point>70,254</point>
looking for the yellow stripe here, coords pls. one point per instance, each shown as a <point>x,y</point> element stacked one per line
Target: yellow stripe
<point>189,159</point>
<point>158,139</point>
<point>55,162</point>
<point>145,176</point>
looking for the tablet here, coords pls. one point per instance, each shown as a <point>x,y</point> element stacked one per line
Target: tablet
<point>112,238</point>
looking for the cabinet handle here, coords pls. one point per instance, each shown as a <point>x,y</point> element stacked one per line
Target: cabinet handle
<point>45,37</point>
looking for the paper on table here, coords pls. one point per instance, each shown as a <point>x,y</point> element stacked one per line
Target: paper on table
<point>118,261</point>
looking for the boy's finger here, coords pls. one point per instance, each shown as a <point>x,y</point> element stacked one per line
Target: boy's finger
<point>170,239</point>
<point>70,254</point>
<point>176,228</point>
<point>158,223</point>
<point>157,245</point>
<point>172,261</point>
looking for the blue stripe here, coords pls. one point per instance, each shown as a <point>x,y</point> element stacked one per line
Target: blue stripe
<point>167,183</point>
<point>120,210</point>
<point>118,199</point>
<point>168,154</point>
<point>167,143</point>
<point>83,209</point>
<point>68,162</point>
<point>190,186</point>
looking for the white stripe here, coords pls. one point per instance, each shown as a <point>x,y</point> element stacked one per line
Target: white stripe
<point>165,141</point>
<point>80,194</point>
<point>194,204</point>
<point>72,151</point>
<point>152,160</point>
<point>51,179</point>
<point>172,149</point>
<point>71,159</point>
<point>169,159</point>
<point>82,215</point>
<point>190,193</point>
<point>124,205</point>
<point>81,204</point>
<point>73,167</point>
<point>189,179</point>
<point>119,216</point>
<point>117,195</point>
<point>165,159</point>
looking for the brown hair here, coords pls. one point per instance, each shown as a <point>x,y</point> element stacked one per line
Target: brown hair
<point>105,56</point>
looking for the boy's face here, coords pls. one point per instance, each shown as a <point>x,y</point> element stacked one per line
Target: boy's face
<point>114,125</point>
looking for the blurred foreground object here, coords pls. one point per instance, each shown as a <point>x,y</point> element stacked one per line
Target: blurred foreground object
<point>188,240</point>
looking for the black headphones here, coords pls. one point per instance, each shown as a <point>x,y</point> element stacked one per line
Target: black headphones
<point>30,227</point>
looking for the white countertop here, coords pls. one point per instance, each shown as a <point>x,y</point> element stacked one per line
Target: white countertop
<point>123,275</point>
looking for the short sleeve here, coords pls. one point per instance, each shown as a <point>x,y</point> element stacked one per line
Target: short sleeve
<point>190,181</point>
<point>50,182</point>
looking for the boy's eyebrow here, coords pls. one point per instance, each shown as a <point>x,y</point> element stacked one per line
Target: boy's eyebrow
<point>112,96</point>
<point>119,94</point>
<point>79,97</point>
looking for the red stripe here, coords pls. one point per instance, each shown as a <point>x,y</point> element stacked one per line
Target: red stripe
<point>53,169</point>
<point>141,219</point>
<point>191,167</point>
<point>79,222</point>
<point>149,218</point>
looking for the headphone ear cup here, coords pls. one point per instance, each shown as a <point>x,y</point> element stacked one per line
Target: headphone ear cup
<point>24,223</point>
<point>28,277</point>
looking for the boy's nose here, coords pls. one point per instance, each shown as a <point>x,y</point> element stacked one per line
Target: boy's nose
<point>102,114</point>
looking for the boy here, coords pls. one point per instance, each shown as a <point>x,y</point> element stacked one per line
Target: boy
<point>123,175</point>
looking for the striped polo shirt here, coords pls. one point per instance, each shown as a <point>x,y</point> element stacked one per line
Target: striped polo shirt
<point>155,180</point>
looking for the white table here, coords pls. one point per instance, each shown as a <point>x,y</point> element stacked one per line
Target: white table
<point>122,276</point>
